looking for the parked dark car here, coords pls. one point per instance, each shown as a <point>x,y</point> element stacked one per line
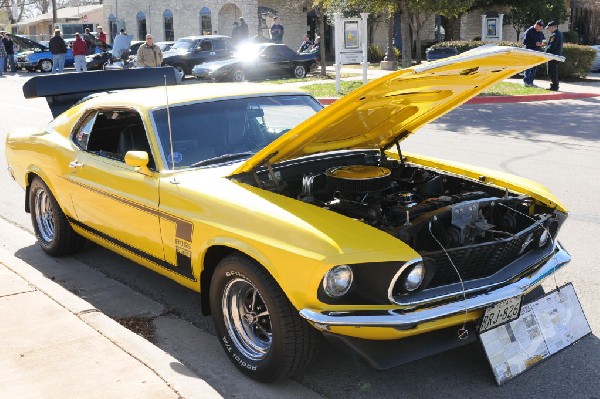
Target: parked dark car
<point>436,53</point>
<point>265,60</point>
<point>193,50</point>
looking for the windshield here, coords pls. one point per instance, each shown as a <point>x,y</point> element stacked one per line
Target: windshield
<point>183,44</point>
<point>216,132</point>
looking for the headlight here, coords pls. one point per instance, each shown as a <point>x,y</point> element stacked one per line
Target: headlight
<point>414,277</point>
<point>337,281</point>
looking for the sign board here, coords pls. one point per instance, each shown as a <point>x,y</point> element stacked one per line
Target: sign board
<point>350,44</point>
<point>543,328</point>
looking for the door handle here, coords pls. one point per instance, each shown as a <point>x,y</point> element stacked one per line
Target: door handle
<point>76,164</point>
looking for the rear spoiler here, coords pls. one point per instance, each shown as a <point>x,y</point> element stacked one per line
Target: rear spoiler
<point>62,91</point>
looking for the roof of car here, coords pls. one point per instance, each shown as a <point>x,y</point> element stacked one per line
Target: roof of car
<point>155,96</point>
<point>204,37</point>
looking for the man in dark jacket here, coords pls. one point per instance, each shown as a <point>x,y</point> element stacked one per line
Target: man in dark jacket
<point>243,30</point>
<point>533,40</point>
<point>276,31</point>
<point>58,48</point>
<point>90,42</point>
<point>555,45</point>
<point>10,53</point>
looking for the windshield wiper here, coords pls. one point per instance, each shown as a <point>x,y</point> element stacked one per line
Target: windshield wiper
<point>222,158</point>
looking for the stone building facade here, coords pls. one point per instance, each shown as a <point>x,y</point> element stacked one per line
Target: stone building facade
<point>170,20</point>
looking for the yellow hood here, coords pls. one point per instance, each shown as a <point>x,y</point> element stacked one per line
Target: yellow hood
<point>392,107</point>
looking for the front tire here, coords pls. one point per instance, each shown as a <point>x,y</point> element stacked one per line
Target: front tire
<point>45,65</point>
<point>258,327</point>
<point>52,230</point>
<point>300,71</point>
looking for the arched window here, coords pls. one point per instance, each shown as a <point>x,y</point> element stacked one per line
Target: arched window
<point>205,21</point>
<point>141,25</point>
<point>168,22</point>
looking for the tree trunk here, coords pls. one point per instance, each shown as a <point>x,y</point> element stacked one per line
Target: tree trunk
<point>405,31</point>
<point>390,54</point>
<point>322,47</point>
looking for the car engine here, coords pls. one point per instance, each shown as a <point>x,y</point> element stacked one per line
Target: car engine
<point>440,215</point>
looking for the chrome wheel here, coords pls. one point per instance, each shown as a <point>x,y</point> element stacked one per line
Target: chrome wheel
<point>238,76</point>
<point>247,319</point>
<point>300,71</point>
<point>44,216</point>
<point>46,66</point>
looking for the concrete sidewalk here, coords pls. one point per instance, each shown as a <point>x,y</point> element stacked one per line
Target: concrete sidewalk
<point>54,344</point>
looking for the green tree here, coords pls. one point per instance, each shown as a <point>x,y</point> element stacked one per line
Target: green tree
<point>524,13</point>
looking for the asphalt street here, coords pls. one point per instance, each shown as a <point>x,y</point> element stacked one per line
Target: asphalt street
<point>554,143</point>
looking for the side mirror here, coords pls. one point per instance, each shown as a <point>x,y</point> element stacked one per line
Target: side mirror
<point>139,160</point>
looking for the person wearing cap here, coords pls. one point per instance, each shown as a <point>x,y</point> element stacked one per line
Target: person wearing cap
<point>79,51</point>
<point>101,34</point>
<point>555,46</point>
<point>533,40</point>
<point>243,30</point>
<point>58,48</point>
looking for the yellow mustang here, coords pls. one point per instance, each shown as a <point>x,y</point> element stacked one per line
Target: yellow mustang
<point>292,220</point>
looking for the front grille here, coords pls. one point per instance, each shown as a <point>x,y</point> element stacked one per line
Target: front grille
<point>481,260</point>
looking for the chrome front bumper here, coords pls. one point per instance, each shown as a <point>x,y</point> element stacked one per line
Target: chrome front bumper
<point>405,319</point>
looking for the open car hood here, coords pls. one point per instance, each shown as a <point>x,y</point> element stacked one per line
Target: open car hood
<point>391,108</point>
<point>25,43</point>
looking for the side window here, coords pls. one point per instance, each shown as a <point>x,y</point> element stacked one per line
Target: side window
<point>83,132</point>
<point>206,45</point>
<point>112,134</point>
<point>219,45</point>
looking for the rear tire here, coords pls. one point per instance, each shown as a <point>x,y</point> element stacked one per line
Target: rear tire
<point>52,230</point>
<point>238,76</point>
<point>259,329</point>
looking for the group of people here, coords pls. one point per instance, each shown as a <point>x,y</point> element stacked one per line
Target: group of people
<point>240,32</point>
<point>308,46</point>
<point>82,46</point>
<point>534,39</point>
<point>7,53</point>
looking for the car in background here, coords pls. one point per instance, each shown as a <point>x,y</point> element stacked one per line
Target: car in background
<point>291,220</point>
<point>437,53</point>
<point>36,56</point>
<point>190,51</point>
<point>165,46</point>
<point>258,61</point>
<point>596,62</point>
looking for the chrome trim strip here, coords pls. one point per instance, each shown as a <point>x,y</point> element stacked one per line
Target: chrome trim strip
<point>409,319</point>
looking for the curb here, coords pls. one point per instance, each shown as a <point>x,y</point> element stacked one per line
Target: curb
<point>508,99</point>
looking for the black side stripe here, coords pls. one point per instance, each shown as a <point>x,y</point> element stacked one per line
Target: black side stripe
<point>183,266</point>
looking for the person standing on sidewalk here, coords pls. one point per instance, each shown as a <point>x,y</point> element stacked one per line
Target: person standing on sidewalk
<point>10,53</point>
<point>533,40</point>
<point>2,57</point>
<point>58,48</point>
<point>276,31</point>
<point>555,45</point>
<point>79,51</point>
<point>149,55</point>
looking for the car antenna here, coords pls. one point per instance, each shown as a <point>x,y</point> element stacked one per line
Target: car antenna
<point>174,180</point>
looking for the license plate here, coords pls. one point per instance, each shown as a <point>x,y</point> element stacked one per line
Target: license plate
<point>500,313</point>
